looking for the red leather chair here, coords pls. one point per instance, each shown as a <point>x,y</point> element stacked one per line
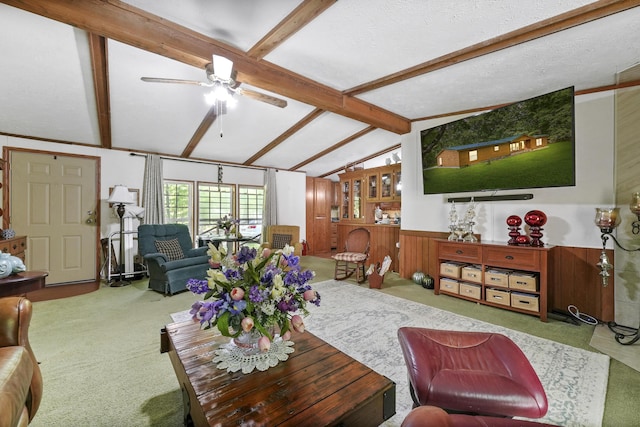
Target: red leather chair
<point>430,416</point>
<point>471,372</point>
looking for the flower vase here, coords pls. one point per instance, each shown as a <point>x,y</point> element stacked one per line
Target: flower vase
<point>247,342</point>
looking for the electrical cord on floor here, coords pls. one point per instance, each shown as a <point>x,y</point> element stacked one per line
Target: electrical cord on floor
<point>583,317</point>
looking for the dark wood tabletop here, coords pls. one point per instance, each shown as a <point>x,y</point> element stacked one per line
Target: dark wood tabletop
<point>21,283</point>
<point>317,386</point>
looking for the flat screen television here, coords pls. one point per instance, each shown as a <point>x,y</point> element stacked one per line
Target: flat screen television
<point>527,144</point>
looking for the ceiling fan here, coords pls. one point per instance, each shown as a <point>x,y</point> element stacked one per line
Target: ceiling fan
<point>221,78</point>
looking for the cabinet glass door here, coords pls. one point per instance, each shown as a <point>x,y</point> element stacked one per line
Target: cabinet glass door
<point>372,187</point>
<point>345,199</point>
<point>357,199</point>
<point>385,185</point>
<point>397,183</point>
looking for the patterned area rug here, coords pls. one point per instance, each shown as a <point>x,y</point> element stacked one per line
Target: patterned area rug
<point>363,323</point>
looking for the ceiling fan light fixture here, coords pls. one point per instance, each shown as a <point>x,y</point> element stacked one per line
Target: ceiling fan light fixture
<point>222,67</point>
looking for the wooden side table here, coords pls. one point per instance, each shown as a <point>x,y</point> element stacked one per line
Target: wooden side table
<point>21,283</point>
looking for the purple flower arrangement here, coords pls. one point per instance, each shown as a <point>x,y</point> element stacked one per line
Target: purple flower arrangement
<point>266,292</point>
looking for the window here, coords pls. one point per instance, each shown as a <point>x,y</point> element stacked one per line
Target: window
<point>214,202</point>
<point>496,148</point>
<point>473,155</point>
<point>178,205</point>
<point>250,208</point>
<point>538,142</point>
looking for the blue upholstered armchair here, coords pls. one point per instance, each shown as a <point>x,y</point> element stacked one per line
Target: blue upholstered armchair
<point>170,256</point>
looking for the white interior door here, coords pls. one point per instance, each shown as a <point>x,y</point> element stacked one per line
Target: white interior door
<point>53,201</point>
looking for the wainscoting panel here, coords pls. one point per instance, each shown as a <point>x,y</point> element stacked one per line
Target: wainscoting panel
<point>576,281</point>
<point>417,252</point>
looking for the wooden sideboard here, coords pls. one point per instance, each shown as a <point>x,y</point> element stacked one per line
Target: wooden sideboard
<point>523,273</point>
<point>15,246</point>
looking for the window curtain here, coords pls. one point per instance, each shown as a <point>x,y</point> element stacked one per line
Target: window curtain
<point>270,214</point>
<point>153,200</point>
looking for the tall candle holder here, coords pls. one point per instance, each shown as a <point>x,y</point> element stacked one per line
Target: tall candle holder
<point>453,222</point>
<point>462,229</point>
<point>468,221</point>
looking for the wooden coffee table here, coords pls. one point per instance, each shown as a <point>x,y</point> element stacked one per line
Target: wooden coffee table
<point>317,386</point>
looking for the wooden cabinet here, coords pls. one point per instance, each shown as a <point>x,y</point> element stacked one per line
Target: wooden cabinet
<point>335,193</point>
<point>397,184</point>
<point>15,246</point>
<point>510,277</point>
<point>334,235</point>
<point>383,184</point>
<point>373,186</point>
<point>352,196</point>
<point>318,216</point>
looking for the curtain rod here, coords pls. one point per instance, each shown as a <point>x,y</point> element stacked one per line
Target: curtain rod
<point>204,162</point>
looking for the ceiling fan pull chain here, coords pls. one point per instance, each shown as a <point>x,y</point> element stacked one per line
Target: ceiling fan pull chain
<point>220,117</point>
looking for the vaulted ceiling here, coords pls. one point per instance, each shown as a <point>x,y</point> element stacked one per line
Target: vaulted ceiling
<point>354,74</point>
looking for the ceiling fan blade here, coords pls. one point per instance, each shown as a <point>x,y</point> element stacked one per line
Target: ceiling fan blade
<point>262,97</point>
<point>181,81</point>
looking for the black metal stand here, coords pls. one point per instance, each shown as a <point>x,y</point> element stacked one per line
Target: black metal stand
<point>121,280</point>
<point>633,334</point>
<point>621,336</point>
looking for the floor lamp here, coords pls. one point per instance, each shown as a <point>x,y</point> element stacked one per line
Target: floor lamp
<point>120,196</point>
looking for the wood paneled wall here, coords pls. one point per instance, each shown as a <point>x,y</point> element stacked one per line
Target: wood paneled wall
<point>418,253</point>
<point>575,280</point>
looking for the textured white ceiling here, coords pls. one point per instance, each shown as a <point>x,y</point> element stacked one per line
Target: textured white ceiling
<point>46,86</point>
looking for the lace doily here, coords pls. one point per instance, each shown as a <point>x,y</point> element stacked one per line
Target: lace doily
<point>233,359</point>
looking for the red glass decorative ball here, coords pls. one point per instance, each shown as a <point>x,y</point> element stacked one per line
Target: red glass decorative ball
<point>535,218</point>
<point>523,240</point>
<point>514,221</point>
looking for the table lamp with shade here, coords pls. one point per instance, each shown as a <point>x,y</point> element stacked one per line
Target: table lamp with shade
<point>120,196</point>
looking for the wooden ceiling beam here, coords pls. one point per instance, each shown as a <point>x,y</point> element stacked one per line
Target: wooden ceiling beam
<point>334,147</point>
<point>592,11</point>
<point>284,136</point>
<point>100,69</point>
<point>362,160</point>
<point>127,24</point>
<point>306,12</point>
<point>204,126</point>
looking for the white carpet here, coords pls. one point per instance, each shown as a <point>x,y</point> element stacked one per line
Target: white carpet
<point>363,323</point>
